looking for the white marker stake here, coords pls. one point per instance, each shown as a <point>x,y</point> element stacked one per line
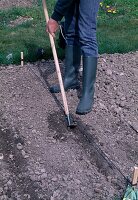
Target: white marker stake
<point>22,59</point>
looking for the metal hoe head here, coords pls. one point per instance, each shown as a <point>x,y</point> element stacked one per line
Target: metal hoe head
<point>70,122</point>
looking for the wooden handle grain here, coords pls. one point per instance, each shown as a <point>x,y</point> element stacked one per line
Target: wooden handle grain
<point>52,42</point>
<point>135,176</point>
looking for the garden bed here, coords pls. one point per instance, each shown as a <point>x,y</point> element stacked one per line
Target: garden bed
<point>42,159</point>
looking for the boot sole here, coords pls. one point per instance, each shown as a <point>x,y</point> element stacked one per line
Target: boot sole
<point>83,113</point>
<point>72,88</point>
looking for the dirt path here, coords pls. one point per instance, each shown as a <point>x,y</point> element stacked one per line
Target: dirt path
<point>41,159</point>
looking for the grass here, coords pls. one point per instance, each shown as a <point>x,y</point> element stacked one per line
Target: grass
<point>116,32</point>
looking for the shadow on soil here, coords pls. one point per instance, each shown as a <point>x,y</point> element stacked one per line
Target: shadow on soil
<point>83,136</point>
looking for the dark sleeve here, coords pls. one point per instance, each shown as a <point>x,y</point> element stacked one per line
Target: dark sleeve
<point>60,9</point>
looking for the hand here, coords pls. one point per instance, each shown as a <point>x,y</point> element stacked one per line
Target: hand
<point>52,27</point>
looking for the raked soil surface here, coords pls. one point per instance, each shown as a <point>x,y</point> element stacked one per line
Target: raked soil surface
<point>41,159</point>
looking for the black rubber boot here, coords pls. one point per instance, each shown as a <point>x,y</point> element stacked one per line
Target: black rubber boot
<point>72,64</point>
<point>89,78</point>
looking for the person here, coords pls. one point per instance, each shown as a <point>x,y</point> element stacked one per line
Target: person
<point>80,31</point>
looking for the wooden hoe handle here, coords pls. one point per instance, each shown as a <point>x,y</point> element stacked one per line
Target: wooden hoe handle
<point>56,62</point>
<point>135,176</point>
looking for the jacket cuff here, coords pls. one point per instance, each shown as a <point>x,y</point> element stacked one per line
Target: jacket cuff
<point>57,16</point>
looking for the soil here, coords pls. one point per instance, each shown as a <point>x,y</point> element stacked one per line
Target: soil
<point>4,4</point>
<point>40,158</point>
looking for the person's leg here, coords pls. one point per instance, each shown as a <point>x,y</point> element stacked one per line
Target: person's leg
<point>88,11</point>
<point>72,50</point>
<point>71,24</point>
<point>87,32</point>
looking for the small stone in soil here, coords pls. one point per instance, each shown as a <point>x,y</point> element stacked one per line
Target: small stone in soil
<point>1,156</point>
<point>109,72</point>
<point>27,196</point>
<point>44,175</point>
<point>16,136</point>
<point>1,190</point>
<point>54,179</point>
<point>97,190</point>
<point>9,182</point>
<point>23,153</point>
<point>21,108</point>
<point>19,146</point>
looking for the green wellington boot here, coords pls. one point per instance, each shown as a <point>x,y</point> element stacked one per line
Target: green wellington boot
<point>72,64</point>
<point>89,78</point>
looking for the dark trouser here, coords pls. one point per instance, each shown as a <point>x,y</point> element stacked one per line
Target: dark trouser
<point>80,33</point>
<point>80,26</point>
<point>80,30</point>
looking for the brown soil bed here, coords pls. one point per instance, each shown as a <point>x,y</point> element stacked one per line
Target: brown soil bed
<point>4,4</point>
<point>41,159</point>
